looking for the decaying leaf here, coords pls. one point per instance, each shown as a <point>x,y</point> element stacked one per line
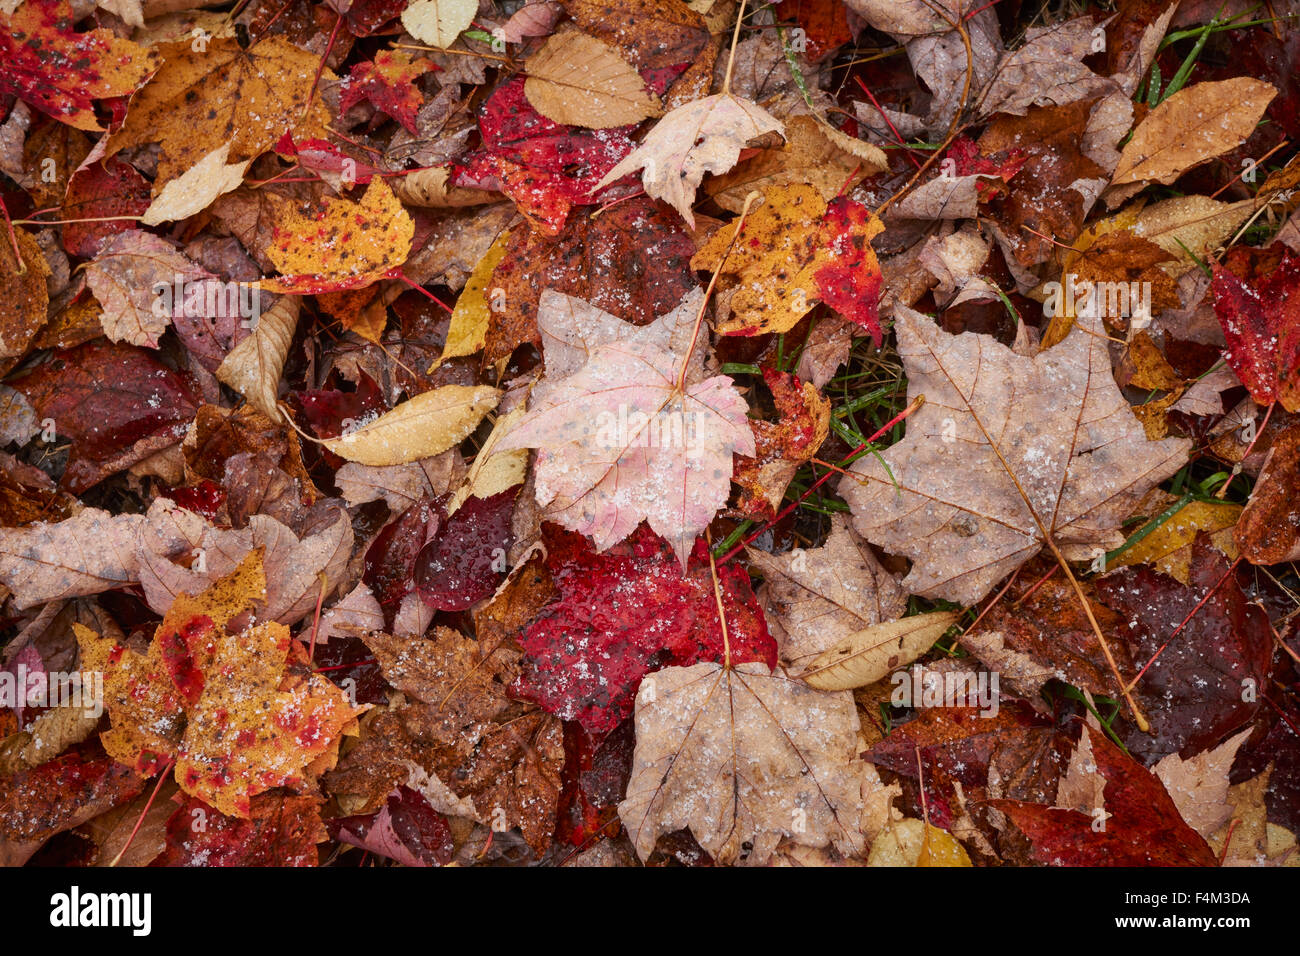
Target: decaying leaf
<point>253,367</point>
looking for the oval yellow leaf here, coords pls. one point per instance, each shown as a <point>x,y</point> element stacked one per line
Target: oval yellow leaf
<point>422,427</point>
<point>868,655</point>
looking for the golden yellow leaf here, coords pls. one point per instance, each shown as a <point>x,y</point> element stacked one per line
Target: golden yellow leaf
<point>340,245</point>
<point>469,320</point>
<point>421,427</point>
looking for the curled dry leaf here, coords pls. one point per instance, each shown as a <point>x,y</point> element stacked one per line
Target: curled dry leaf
<point>253,367</point>
<point>432,188</point>
<point>866,656</point>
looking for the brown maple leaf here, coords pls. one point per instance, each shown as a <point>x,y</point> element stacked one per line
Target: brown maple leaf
<point>1006,452</point>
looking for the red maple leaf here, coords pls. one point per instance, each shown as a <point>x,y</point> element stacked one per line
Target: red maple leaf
<point>1142,828</point>
<point>1257,300</point>
<point>624,613</point>
<point>851,283</point>
<point>545,167</point>
<point>46,63</point>
<point>388,82</point>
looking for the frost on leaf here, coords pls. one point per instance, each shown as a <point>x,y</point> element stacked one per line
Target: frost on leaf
<point>743,757</point>
<point>1006,450</point>
<point>621,441</point>
<point>705,136</point>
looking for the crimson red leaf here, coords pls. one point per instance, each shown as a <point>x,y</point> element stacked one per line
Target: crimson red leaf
<point>851,283</point>
<point>1257,300</point>
<point>1143,827</point>
<point>115,403</point>
<point>466,560</point>
<point>390,560</point>
<point>283,831</point>
<point>624,613</point>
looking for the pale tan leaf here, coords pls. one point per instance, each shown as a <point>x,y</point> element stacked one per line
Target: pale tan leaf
<point>439,22</point>
<point>123,278</point>
<point>180,552</point>
<point>808,156</point>
<point>420,427</point>
<point>915,843</point>
<point>628,436</point>
<point>1196,124</point>
<point>90,552</point>
<point>1199,785</point>
<point>196,188</point>
<point>816,597</point>
<point>1048,70</point>
<point>578,80</point>
<point>253,367</point>
<point>401,485</point>
<point>743,756</point>
<point>1006,450</point>
<point>868,655</point>
<point>705,136</point>
<point>1188,226</point>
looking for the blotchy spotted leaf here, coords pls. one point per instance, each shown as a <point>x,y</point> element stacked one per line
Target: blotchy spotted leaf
<point>46,63</point>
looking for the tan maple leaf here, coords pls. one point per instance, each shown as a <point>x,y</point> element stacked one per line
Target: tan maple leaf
<point>1005,451</point>
<point>124,277</point>
<point>628,436</point>
<point>743,756</point>
<point>816,596</point>
<point>1196,124</point>
<point>1199,785</point>
<point>705,136</point>
<point>578,80</point>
